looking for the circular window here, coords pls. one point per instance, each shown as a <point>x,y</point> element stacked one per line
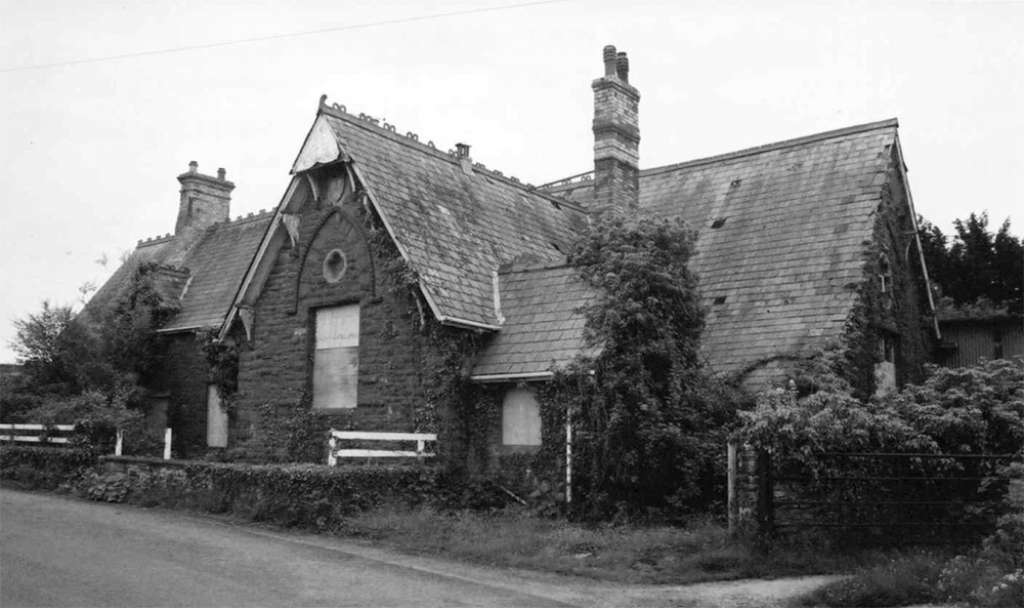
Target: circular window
<point>335,265</point>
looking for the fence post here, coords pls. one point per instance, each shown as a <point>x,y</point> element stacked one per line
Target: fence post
<point>732,506</point>
<point>167,443</point>
<point>119,443</point>
<point>765,493</point>
<point>332,447</point>
<point>568,457</point>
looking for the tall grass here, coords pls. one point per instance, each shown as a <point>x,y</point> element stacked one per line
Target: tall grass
<point>659,554</point>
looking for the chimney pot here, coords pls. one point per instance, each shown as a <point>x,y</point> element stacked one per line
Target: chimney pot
<point>205,200</point>
<point>616,137</point>
<point>462,150</point>
<point>622,67</point>
<point>609,60</point>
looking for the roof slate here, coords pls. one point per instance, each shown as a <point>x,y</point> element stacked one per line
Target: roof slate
<point>205,275</point>
<point>145,252</point>
<point>454,227</point>
<point>217,265</point>
<point>795,219</point>
<point>543,327</point>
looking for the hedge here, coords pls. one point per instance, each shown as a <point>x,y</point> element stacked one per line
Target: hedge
<point>43,467</point>
<point>303,495</point>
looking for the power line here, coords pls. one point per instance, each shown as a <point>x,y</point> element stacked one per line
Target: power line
<point>340,28</point>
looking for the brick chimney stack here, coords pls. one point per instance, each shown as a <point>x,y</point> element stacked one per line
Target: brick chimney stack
<point>205,200</point>
<point>616,137</point>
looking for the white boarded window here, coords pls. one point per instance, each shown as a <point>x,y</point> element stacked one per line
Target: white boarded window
<point>520,418</point>
<point>216,419</point>
<point>336,357</point>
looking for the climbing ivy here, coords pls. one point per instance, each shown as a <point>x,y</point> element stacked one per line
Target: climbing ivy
<point>222,362</point>
<point>648,420</point>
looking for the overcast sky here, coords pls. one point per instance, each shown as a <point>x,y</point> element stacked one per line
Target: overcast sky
<point>91,149</point>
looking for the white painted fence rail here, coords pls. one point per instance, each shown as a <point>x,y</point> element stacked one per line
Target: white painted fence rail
<point>334,452</point>
<point>8,430</point>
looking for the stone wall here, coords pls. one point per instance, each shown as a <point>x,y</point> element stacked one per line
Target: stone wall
<point>276,366</point>
<point>900,311</point>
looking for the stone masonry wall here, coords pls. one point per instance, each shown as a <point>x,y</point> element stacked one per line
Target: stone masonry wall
<point>276,366</point>
<point>899,313</point>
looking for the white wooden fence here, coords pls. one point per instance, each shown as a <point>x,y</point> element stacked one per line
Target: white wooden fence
<point>335,452</point>
<point>8,430</point>
<point>34,433</point>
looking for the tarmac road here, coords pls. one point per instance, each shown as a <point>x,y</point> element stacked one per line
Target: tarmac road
<point>56,551</point>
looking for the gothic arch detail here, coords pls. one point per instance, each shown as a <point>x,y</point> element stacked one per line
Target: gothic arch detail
<point>346,218</point>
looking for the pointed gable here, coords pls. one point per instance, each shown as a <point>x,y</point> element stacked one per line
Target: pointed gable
<point>454,221</point>
<point>782,232</point>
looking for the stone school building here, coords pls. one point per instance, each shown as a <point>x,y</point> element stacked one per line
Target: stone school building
<point>391,262</point>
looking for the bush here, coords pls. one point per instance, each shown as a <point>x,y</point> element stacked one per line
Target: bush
<point>43,467</point>
<point>978,410</point>
<point>647,421</point>
<point>994,574</point>
<point>899,581</point>
<point>307,496</point>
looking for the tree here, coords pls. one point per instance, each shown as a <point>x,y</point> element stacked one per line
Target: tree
<point>57,352</point>
<point>90,369</point>
<point>976,266</point>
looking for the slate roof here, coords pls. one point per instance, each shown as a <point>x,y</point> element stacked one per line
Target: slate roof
<point>543,328</point>
<point>779,273</point>
<point>207,276</point>
<point>454,225</point>
<point>217,265</point>
<point>151,250</point>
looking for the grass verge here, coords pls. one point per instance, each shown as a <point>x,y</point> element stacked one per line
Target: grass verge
<point>702,551</point>
<point>900,580</point>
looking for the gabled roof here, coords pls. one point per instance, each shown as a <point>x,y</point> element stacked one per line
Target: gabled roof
<point>453,221</point>
<point>543,326</point>
<point>147,251</point>
<point>207,272</point>
<point>216,265</point>
<point>781,228</point>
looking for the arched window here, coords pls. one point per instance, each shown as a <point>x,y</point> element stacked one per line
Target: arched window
<point>520,418</point>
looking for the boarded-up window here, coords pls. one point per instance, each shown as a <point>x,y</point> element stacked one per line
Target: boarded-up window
<point>520,418</point>
<point>336,357</point>
<point>216,419</point>
<point>885,370</point>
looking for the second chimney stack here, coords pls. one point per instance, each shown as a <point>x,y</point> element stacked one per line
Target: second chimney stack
<point>616,137</point>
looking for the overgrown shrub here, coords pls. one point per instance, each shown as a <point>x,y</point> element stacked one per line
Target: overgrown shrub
<point>43,467</point>
<point>648,422</point>
<point>993,575</point>
<point>89,369</point>
<point>976,410</point>
<point>898,581</point>
<point>308,496</point>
